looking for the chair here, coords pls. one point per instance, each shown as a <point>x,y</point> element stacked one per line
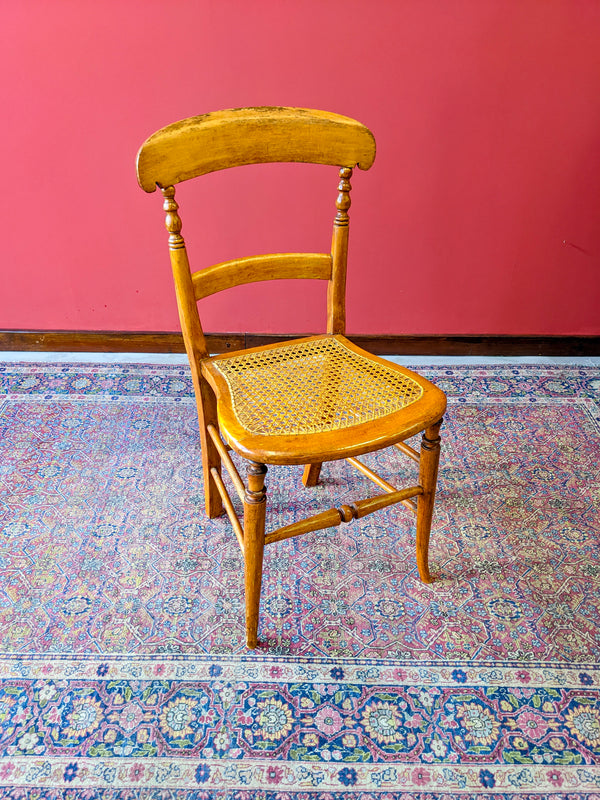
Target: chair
<point>305,401</point>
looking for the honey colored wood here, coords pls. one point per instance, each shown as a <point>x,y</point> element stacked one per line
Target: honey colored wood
<point>233,517</point>
<point>372,476</point>
<point>408,451</point>
<point>278,266</point>
<point>430,456</point>
<point>191,328</point>
<point>206,401</point>
<point>328,446</point>
<point>255,505</point>
<point>226,460</point>
<point>195,346</point>
<point>232,138</point>
<point>379,481</point>
<point>325,519</point>
<point>310,476</point>
<point>336,290</point>
<point>335,516</point>
<point>363,507</point>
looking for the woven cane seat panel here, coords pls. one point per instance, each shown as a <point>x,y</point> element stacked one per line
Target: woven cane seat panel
<point>312,387</point>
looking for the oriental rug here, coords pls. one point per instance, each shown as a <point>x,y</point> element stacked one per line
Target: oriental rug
<point>123,671</point>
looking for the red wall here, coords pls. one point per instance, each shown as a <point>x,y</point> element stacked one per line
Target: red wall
<point>481,214</point>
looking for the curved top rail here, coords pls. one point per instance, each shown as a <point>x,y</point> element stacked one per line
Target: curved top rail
<point>211,142</point>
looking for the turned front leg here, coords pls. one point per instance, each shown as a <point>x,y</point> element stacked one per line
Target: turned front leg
<point>255,506</point>
<point>430,457</point>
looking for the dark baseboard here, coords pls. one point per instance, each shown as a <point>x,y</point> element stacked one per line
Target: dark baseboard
<point>167,342</point>
<point>437,345</point>
<point>111,341</point>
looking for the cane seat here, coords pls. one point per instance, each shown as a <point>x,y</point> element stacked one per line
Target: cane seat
<point>286,398</point>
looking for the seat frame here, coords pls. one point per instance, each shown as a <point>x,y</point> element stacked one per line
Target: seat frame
<point>235,137</point>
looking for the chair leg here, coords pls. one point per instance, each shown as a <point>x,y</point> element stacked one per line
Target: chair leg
<point>430,456</point>
<point>255,506</point>
<point>207,415</point>
<point>311,474</point>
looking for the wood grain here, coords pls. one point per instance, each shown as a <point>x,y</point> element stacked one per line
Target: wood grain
<point>379,481</point>
<point>227,462</point>
<point>370,505</point>
<point>325,519</point>
<point>310,476</point>
<point>336,290</point>
<point>228,505</point>
<point>408,451</point>
<point>223,139</point>
<point>428,470</point>
<point>276,266</point>
<point>255,505</point>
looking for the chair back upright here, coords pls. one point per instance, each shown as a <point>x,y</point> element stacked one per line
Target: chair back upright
<point>223,139</point>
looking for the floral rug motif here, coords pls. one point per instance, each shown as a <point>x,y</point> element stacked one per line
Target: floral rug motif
<point>124,672</point>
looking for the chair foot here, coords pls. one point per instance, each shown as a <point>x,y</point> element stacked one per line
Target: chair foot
<point>430,456</point>
<point>311,475</point>
<point>255,505</point>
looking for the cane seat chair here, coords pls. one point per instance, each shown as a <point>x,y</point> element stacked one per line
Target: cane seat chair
<point>307,401</point>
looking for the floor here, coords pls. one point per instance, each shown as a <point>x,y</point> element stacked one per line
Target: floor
<point>123,671</point>
<point>181,358</point>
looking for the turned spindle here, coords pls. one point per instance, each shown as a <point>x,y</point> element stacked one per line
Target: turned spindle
<point>336,290</point>
<point>172,219</point>
<point>343,201</point>
<point>255,505</point>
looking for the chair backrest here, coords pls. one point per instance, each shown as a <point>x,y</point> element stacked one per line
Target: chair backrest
<point>223,139</point>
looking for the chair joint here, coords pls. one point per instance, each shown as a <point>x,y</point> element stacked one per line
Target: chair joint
<point>255,491</point>
<point>347,513</point>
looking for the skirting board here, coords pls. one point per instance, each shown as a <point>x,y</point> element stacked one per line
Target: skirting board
<point>167,342</point>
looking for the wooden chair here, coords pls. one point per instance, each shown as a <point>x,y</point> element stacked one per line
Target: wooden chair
<point>307,401</point>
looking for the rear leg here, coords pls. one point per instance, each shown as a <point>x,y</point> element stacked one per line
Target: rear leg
<point>311,474</point>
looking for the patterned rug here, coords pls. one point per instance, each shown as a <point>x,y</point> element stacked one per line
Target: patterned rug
<point>123,671</point>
